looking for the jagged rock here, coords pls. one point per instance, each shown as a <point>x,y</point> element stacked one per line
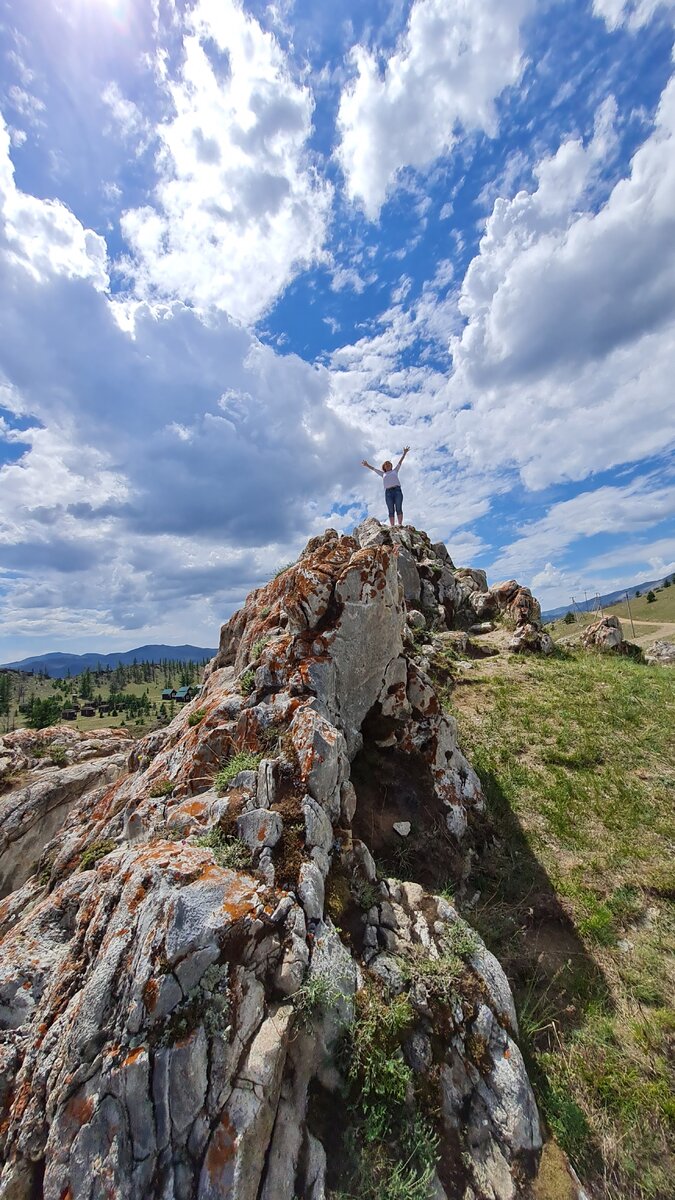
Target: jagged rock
<point>154,1001</point>
<point>531,638</point>
<point>516,603</point>
<point>662,653</point>
<point>605,634</point>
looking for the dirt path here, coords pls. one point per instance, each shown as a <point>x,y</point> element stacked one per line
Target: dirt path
<point>664,632</point>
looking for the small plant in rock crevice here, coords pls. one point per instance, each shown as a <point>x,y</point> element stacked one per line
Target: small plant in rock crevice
<point>315,997</point>
<point>162,787</point>
<point>94,853</point>
<point>228,852</point>
<point>244,760</point>
<point>258,647</point>
<point>196,717</point>
<point>247,682</point>
<point>207,1004</point>
<point>390,1148</point>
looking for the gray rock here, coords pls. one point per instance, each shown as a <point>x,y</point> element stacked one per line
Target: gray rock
<point>409,575</point>
<point>318,829</point>
<point>259,828</point>
<point>311,891</point>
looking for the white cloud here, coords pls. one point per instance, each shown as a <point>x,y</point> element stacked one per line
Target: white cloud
<point>607,510</point>
<point>633,13</point>
<point>174,462</point>
<point>43,235</point>
<point>127,115</point>
<point>448,68</point>
<point>238,207</point>
<point>562,352</point>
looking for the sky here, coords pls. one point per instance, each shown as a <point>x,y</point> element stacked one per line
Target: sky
<point>244,246</point>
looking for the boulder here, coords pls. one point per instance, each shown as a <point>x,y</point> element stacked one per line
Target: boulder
<point>662,653</point>
<point>605,634</point>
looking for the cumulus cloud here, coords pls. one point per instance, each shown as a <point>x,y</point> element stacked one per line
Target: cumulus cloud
<point>43,235</point>
<point>542,362</point>
<point>170,454</point>
<point>448,68</point>
<point>238,207</point>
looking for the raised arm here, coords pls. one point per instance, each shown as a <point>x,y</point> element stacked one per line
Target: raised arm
<point>396,468</point>
<point>364,463</point>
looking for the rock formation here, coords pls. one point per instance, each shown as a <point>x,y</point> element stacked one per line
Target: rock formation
<point>607,634</point>
<point>225,968</point>
<point>662,653</point>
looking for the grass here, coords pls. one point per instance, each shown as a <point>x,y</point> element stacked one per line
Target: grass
<point>575,755</point>
<point>247,682</point>
<point>162,787</point>
<point>243,761</point>
<point>228,852</point>
<point>390,1147</point>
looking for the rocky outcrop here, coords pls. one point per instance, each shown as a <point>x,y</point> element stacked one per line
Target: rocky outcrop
<point>662,653</point>
<point>207,971</point>
<point>607,634</point>
<point>441,597</point>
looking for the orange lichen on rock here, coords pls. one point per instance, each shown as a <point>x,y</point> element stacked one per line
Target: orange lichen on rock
<point>79,1109</point>
<point>134,1056</point>
<point>220,1153</point>
<point>150,993</point>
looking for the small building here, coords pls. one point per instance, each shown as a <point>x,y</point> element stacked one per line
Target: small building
<point>169,694</point>
<point>88,710</point>
<point>185,693</point>
<point>69,714</point>
<point>103,710</point>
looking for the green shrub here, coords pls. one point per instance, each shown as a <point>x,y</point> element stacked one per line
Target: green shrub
<point>243,761</point>
<point>258,647</point>
<point>94,853</point>
<point>228,852</point>
<point>376,1064</point>
<point>569,618</point>
<point>58,755</point>
<point>162,787</point>
<point>247,682</point>
<point>317,995</point>
<point>651,598</point>
<point>197,716</point>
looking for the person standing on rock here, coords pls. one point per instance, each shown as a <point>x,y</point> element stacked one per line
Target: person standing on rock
<point>392,487</point>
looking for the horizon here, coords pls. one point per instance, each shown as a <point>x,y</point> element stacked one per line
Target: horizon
<point>250,245</point>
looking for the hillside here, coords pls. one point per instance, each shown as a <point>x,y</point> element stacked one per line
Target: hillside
<point>643,621</point>
<point>58,665</point>
<point>576,897</point>
<point>606,600</point>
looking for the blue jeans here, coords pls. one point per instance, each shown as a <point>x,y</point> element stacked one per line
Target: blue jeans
<point>394,498</point>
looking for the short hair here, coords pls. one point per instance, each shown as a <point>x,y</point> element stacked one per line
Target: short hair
<point>386,465</point>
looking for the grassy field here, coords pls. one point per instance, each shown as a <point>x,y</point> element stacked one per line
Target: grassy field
<point>43,689</point>
<point>660,611</point>
<point>576,754</point>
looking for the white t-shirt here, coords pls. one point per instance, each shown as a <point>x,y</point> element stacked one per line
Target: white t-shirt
<point>390,479</point>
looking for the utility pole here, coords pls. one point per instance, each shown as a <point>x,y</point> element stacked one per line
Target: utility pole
<point>630,615</point>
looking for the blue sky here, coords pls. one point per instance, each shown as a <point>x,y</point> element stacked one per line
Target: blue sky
<point>244,246</point>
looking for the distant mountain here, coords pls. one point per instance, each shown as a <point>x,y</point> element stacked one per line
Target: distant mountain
<point>609,598</point>
<point>58,665</point>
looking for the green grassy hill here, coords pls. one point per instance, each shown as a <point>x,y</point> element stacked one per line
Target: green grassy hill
<point>660,611</point>
<point>575,896</point>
